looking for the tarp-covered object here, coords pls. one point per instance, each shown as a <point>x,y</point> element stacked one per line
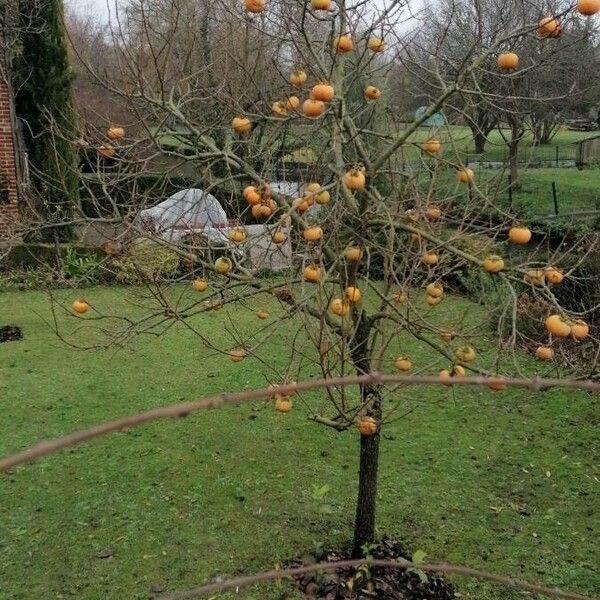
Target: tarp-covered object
<point>190,210</point>
<point>196,211</point>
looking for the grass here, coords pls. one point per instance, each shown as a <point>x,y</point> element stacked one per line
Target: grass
<point>577,190</point>
<point>455,138</point>
<point>504,482</point>
<point>458,139</point>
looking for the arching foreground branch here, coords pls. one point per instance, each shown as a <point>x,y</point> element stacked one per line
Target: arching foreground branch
<point>400,564</point>
<point>183,409</point>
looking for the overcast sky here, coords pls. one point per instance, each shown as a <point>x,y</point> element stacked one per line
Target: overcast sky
<point>102,8</point>
<point>99,8</point>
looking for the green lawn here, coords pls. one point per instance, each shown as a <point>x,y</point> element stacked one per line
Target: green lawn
<point>506,482</point>
<point>577,190</point>
<point>459,139</point>
<point>456,139</point>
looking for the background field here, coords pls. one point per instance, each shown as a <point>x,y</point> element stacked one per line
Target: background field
<point>577,190</point>
<point>457,139</point>
<point>506,482</point>
<point>461,139</point>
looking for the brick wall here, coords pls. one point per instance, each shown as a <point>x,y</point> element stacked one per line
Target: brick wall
<point>8,212</point>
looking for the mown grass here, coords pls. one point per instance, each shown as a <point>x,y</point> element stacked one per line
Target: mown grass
<point>458,140</point>
<point>576,190</point>
<point>506,482</point>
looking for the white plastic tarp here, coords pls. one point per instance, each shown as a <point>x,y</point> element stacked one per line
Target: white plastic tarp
<point>187,211</point>
<point>194,210</point>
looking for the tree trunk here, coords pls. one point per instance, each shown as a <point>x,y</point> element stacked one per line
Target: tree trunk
<point>480,140</point>
<point>481,123</point>
<point>364,525</point>
<point>550,126</point>
<point>517,131</point>
<point>546,137</point>
<point>538,135</point>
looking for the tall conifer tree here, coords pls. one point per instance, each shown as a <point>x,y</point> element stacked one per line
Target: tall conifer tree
<point>43,84</point>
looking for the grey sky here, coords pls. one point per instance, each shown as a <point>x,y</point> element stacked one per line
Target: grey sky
<point>102,8</point>
<point>98,8</point>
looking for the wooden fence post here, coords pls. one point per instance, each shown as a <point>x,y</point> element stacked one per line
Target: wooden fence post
<point>554,197</point>
<point>579,154</point>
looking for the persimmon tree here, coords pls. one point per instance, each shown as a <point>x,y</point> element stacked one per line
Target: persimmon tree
<point>377,230</point>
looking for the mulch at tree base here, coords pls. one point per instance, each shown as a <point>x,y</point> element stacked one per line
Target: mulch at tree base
<point>363,584</point>
<point>10,333</point>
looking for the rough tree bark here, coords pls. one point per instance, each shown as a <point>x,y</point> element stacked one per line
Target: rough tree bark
<point>366,503</point>
<point>517,131</point>
<point>481,123</point>
<point>479,139</point>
